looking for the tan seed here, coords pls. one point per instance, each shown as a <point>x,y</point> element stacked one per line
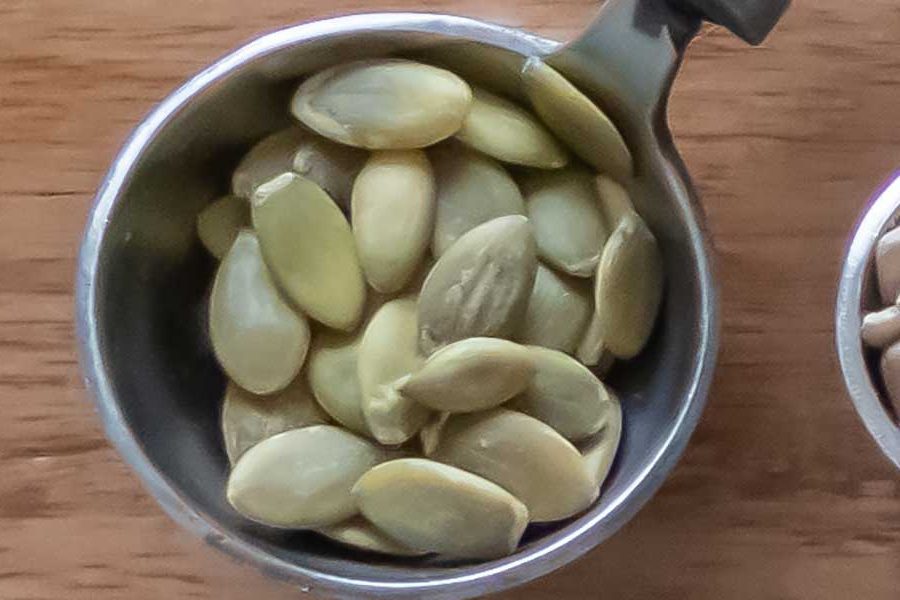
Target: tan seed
<point>270,157</point>
<point>881,328</point>
<point>259,340</point>
<point>480,286</point>
<point>471,189</point>
<point>393,214</point>
<point>385,104</point>
<point>333,376</point>
<point>301,478</point>
<point>470,375</point>
<point>522,455</point>
<point>576,120</point>
<point>438,508</point>
<point>334,167</point>
<point>359,533</point>
<point>309,247</point>
<point>558,312</point>
<point>600,451</point>
<point>628,288</point>
<point>509,133</point>
<point>565,395</point>
<point>614,200</point>
<point>219,223</point>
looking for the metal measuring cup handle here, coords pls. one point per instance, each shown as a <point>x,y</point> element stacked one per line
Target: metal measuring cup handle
<point>750,20</point>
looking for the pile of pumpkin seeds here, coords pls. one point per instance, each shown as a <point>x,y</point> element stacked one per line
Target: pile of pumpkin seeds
<point>413,283</point>
<point>881,328</point>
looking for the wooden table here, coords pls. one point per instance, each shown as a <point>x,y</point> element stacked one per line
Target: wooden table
<point>781,493</point>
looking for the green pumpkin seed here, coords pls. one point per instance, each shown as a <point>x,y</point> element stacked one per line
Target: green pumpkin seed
<point>470,375</point>
<point>359,533</point>
<point>499,128</point>
<point>393,212</point>
<point>270,157</point>
<point>259,340</point>
<point>471,189</point>
<point>480,286</point>
<point>487,66</point>
<point>592,351</point>
<point>309,247</point>
<point>576,120</point>
<point>386,104</point>
<point>388,354</point>
<point>438,508</point>
<point>301,478</point>
<point>334,167</point>
<point>565,395</point>
<point>882,328</point>
<point>522,455</point>
<point>558,312</point>
<point>614,200</point>
<point>333,376</point>
<point>247,419</point>
<point>568,226</point>
<point>430,434</point>
<point>218,224</point>
<point>628,288</point>
<point>600,451</point>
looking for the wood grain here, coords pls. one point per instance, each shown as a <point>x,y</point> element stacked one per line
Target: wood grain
<point>780,495</point>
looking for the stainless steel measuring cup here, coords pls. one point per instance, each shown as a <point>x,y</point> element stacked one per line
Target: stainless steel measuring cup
<point>142,278</point>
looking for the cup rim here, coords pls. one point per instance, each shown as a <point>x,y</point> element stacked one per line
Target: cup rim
<point>519,568</point>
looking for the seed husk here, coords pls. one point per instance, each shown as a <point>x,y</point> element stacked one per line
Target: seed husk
<point>385,104</point>
<point>388,354</point>
<point>470,375</point>
<point>301,478</point>
<point>558,312</point>
<point>881,328</point>
<point>359,533</point>
<point>247,419</point>
<point>332,369</point>
<point>499,128</point>
<point>600,451</point>
<point>219,223</point>
<point>309,247</point>
<point>568,226</point>
<point>628,288</point>
<point>576,120</point>
<point>522,455</point>
<point>565,395</point>
<point>393,214</point>
<point>268,158</point>
<point>438,508</point>
<point>259,340</point>
<point>480,286</point>
<point>887,265</point>
<point>471,189</point>
<point>334,167</point>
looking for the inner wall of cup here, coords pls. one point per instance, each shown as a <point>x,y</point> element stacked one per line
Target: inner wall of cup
<point>154,280</point>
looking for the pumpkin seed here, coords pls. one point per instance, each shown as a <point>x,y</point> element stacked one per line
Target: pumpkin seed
<point>568,226</point>
<point>359,533</point>
<point>882,328</point>
<point>558,312</point>
<point>470,375</point>
<point>522,455</point>
<point>489,66</point>
<point>334,379</point>
<point>614,200</point>
<point>270,157</point>
<point>592,351</point>
<point>393,212</point>
<point>576,120</point>
<point>333,167</point>
<point>480,286</point>
<point>307,243</point>
<point>388,353</point>
<point>887,264</point>
<point>471,189</point>
<point>565,395</point>
<point>628,288</point>
<point>301,478</point>
<point>218,224</point>
<point>509,133</point>
<point>430,434</point>
<point>260,342</point>
<point>386,104</point>
<point>247,419</point>
<point>600,452</point>
<point>438,508</point>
